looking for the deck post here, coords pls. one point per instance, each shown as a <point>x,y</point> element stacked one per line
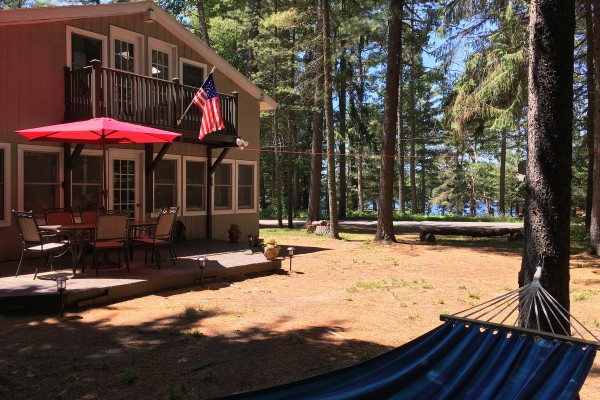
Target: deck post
<point>97,89</point>
<point>68,95</point>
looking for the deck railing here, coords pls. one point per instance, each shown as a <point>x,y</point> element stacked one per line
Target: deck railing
<point>96,91</point>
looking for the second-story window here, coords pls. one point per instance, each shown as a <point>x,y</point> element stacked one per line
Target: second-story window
<point>124,61</point>
<point>124,56</point>
<point>160,64</point>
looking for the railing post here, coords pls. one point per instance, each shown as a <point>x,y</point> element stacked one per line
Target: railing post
<point>68,96</point>
<point>97,89</point>
<point>235,112</point>
<point>177,103</point>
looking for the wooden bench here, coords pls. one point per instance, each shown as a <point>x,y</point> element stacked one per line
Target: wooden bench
<point>428,233</point>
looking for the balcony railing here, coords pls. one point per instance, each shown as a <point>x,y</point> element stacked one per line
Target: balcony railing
<point>99,91</point>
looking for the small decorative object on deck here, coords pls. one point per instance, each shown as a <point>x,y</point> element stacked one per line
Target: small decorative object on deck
<point>234,233</point>
<point>271,249</point>
<point>291,254</point>
<point>61,286</point>
<point>250,240</point>
<point>202,264</point>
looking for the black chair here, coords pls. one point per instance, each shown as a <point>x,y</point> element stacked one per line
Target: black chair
<point>160,235</point>
<point>36,242</point>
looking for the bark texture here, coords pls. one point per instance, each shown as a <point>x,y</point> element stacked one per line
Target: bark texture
<point>595,209</point>
<point>550,117</point>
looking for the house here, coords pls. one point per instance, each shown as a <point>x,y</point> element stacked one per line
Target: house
<point>135,63</point>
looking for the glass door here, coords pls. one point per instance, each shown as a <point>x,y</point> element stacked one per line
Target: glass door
<point>125,189</point>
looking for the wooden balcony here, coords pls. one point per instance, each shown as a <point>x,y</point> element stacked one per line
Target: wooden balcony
<point>97,91</point>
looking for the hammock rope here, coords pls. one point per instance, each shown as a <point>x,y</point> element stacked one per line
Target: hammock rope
<point>531,305</point>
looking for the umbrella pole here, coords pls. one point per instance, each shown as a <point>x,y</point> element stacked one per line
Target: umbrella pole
<point>104,178</point>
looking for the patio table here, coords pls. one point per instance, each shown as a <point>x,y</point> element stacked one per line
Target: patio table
<point>76,231</point>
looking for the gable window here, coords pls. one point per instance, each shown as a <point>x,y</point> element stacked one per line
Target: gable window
<point>166,178</point>
<point>246,186</point>
<point>194,178</point>
<point>86,178</point>
<point>192,73</point>
<point>40,168</point>
<point>223,186</point>
<point>5,184</point>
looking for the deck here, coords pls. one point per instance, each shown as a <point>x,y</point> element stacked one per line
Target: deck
<point>225,260</point>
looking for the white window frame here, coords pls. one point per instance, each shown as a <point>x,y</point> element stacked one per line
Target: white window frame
<point>170,49</point>
<point>22,148</point>
<point>125,35</point>
<point>191,62</point>
<point>7,221</point>
<point>178,180</point>
<point>233,191</point>
<point>93,35</point>
<point>185,211</point>
<point>254,185</point>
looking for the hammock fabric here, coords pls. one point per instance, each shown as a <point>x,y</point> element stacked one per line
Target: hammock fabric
<point>454,361</point>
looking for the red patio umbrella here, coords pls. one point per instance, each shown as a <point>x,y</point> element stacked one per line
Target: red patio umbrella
<point>99,131</point>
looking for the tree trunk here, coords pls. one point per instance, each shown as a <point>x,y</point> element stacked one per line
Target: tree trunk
<point>589,30</point>
<point>595,136</point>
<point>202,22</point>
<point>314,198</point>
<point>328,84</point>
<point>549,146</point>
<point>343,76</point>
<point>254,6</point>
<point>401,191</point>
<point>502,200</point>
<point>385,221</point>
<point>277,172</point>
<point>411,88</point>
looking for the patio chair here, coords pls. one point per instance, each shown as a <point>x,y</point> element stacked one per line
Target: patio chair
<point>110,235</point>
<point>160,235</point>
<point>35,241</point>
<point>58,216</point>
<point>88,215</point>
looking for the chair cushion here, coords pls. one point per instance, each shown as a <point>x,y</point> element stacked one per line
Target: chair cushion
<point>47,247</point>
<point>149,240</point>
<point>107,245</point>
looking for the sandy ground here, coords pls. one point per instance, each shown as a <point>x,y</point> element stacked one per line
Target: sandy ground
<point>342,302</point>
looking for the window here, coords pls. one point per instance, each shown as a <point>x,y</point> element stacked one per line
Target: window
<point>40,171</point>
<point>5,218</point>
<point>223,186</point>
<point>192,73</point>
<point>194,195</point>
<point>126,49</point>
<point>163,57</point>
<point>86,181</point>
<point>166,178</point>
<point>83,47</point>
<point>246,184</point>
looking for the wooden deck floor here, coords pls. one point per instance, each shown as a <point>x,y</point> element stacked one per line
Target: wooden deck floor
<point>225,259</point>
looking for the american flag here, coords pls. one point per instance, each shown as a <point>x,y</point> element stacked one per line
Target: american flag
<point>207,101</point>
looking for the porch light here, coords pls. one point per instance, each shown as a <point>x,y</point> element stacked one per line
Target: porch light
<point>202,264</point>
<point>61,287</point>
<point>149,16</point>
<point>291,254</point>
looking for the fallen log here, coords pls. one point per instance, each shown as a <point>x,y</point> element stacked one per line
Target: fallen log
<point>428,233</point>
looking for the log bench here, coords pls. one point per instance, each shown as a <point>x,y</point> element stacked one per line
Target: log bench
<point>428,233</point>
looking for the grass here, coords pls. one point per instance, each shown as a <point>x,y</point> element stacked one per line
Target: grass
<point>176,390</point>
<point>584,294</point>
<point>128,376</point>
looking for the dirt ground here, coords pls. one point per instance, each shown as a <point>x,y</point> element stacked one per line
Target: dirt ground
<point>342,303</point>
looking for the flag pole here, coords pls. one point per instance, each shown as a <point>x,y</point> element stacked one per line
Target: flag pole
<point>192,102</point>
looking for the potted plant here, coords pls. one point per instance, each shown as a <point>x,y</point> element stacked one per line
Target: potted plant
<point>234,233</point>
<point>271,249</point>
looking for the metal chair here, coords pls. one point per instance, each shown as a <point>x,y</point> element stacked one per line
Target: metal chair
<point>59,216</point>
<point>88,215</point>
<point>34,241</point>
<point>111,235</point>
<point>160,235</point>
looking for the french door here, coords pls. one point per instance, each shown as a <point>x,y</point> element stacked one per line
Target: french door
<point>126,181</point>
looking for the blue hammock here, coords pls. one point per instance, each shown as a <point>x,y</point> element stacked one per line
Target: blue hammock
<point>457,360</point>
<point>470,356</point>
